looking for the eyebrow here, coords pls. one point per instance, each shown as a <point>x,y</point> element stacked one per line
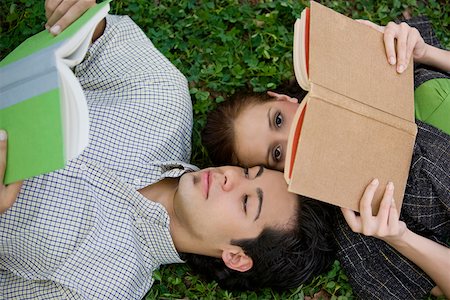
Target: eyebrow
<point>269,118</point>
<point>259,192</point>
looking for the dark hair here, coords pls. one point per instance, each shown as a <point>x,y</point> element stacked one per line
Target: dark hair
<point>282,258</point>
<point>218,133</point>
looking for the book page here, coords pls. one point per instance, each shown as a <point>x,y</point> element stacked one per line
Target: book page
<point>301,49</point>
<point>75,113</point>
<point>293,139</point>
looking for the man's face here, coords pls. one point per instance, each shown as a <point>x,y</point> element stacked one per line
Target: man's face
<point>228,203</point>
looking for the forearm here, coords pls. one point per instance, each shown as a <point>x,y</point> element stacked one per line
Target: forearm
<point>428,255</point>
<point>436,57</point>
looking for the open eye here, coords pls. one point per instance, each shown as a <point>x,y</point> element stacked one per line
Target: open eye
<point>244,203</point>
<point>276,153</point>
<point>278,120</point>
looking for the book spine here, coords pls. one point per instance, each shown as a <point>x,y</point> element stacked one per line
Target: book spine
<point>28,77</point>
<point>357,107</point>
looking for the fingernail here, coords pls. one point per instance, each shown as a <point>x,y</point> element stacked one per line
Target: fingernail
<point>374,182</point>
<point>392,60</point>
<point>390,185</point>
<point>2,135</point>
<point>401,68</point>
<point>55,29</point>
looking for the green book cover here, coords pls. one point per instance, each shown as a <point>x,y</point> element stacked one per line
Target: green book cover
<point>30,102</point>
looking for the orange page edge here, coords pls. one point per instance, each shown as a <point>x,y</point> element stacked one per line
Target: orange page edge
<point>298,130</point>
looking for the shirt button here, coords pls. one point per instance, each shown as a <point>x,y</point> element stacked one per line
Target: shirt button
<point>83,167</point>
<point>137,181</point>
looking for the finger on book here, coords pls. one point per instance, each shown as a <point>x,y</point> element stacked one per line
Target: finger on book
<point>402,38</point>
<point>68,13</point>
<point>3,137</point>
<point>386,203</point>
<point>365,205</point>
<point>9,196</point>
<point>389,43</point>
<point>413,40</point>
<point>352,220</point>
<point>50,6</point>
<point>60,8</point>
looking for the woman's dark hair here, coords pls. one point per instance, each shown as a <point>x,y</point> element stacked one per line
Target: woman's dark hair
<point>282,258</point>
<point>218,134</point>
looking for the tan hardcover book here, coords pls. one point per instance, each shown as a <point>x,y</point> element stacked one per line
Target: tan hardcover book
<point>357,121</point>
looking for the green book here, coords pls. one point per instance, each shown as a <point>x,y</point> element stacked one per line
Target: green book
<point>42,105</point>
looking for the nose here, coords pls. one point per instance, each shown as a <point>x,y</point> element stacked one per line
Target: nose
<point>232,178</point>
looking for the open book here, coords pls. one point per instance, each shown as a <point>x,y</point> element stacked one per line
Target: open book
<point>42,104</point>
<point>357,121</point>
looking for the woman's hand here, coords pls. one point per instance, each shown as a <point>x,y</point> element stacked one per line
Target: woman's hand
<point>386,224</point>
<point>401,41</point>
<point>428,255</point>
<point>62,13</point>
<point>8,194</point>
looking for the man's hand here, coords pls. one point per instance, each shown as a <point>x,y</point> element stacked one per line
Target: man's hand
<point>8,194</point>
<point>386,224</point>
<point>62,13</point>
<point>400,41</point>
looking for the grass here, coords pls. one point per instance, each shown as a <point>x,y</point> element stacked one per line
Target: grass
<point>222,46</point>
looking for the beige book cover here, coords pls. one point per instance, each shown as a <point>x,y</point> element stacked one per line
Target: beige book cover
<point>357,121</point>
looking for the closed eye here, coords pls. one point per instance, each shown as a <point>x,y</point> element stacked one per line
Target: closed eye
<point>244,203</point>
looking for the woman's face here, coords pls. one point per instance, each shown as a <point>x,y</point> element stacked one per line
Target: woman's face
<point>261,132</point>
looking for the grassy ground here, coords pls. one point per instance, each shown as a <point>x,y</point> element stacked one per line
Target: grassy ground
<point>222,46</point>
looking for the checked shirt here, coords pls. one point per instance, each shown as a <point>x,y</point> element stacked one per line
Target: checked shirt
<point>85,232</point>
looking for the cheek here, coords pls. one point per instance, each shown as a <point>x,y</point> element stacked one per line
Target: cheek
<point>248,149</point>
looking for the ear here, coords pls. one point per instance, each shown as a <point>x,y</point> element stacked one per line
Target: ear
<point>282,97</point>
<point>236,259</point>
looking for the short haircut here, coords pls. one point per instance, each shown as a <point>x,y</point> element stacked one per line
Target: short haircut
<point>282,258</point>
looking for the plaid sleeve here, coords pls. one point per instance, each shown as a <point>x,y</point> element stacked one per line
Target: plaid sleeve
<point>376,270</point>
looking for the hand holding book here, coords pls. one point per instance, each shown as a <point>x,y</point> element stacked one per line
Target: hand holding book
<point>356,103</point>
<point>43,108</point>
<point>401,42</point>
<point>8,193</point>
<point>386,224</point>
<point>61,14</point>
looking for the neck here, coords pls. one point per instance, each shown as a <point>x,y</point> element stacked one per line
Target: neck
<point>162,192</point>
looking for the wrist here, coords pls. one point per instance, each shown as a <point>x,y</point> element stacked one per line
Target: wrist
<point>401,240</point>
<point>423,58</point>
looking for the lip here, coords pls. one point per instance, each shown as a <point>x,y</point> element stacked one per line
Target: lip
<point>205,178</point>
